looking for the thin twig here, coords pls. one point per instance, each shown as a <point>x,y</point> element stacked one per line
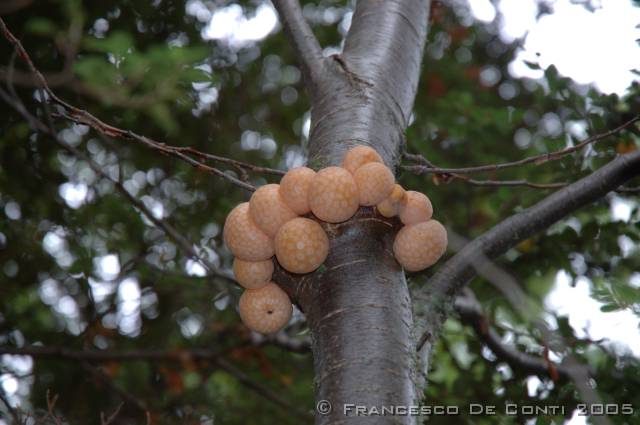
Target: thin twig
<point>471,313</point>
<point>258,388</point>
<point>81,116</point>
<point>168,229</point>
<point>304,42</point>
<point>112,417</point>
<point>178,356</point>
<point>429,168</point>
<point>121,392</point>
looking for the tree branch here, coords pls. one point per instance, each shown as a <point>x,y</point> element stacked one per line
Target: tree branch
<point>169,230</point>
<point>428,168</point>
<point>80,116</point>
<point>459,270</point>
<point>304,42</point>
<point>154,355</point>
<point>471,313</point>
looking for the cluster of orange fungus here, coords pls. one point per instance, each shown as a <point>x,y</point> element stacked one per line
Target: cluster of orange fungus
<point>270,223</point>
<point>294,189</point>
<point>358,156</point>
<point>375,183</point>
<point>268,209</point>
<point>253,274</point>
<point>391,206</point>
<point>265,309</point>
<point>415,207</point>
<point>245,240</point>
<point>301,245</point>
<point>418,246</point>
<point>333,195</point>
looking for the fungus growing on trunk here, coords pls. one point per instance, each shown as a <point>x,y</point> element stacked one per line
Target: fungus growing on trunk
<point>301,245</point>
<point>266,309</point>
<point>334,195</point>
<point>244,239</point>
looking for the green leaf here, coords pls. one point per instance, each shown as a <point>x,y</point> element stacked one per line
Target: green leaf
<point>40,26</point>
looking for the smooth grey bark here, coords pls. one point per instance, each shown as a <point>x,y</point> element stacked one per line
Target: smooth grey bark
<point>358,307</point>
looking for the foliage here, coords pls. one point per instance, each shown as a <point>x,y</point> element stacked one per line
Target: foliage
<point>144,66</point>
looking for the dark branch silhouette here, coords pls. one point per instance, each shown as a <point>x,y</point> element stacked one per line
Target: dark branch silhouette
<point>305,44</point>
<point>428,168</point>
<point>471,313</point>
<point>80,116</point>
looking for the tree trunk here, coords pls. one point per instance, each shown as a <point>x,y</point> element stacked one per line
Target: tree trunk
<point>358,306</point>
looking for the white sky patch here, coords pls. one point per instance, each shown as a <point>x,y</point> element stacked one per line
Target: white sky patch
<point>621,209</point>
<point>237,29</point>
<point>482,10</point>
<point>194,268</point>
<point>618,328</point>
<point>107,267</point>
<point>128,316</point>
<point>590,47</point>
<point>9,384</point>
<point>596,47</point>
<point>74,194</point>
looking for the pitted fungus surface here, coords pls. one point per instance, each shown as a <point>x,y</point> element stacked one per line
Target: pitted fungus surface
<point>268,210</point>
<point>334,195</point>
<point>294,189</point>
<point>415,208</point>
<point>266,309</point>
<point>391,206</point>
<point>253,274</point>
<point>419,246</point>
<point>375,183</point>
<point>301,245</point>
<point>358,156</point>
<point>244,239</point>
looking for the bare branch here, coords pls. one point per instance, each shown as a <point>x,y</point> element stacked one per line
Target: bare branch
<point>169,230</point>
<point>433,303</point>
<point>304,42</point>
<point>471,313</point>
<point>98,374</point>
<point>108,356</point>
<point>108,420</point>
<point>80,116</point>
<point>429,168</point>
<point>459,270</point>
<point>178,356</point>
<point>260,389</point>
<point>481,264</point>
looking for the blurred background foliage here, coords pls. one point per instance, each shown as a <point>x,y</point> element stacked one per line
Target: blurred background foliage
<point>81,268</point>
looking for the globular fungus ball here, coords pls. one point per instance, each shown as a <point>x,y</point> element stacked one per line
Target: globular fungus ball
<point>252,274</point>
<point>301,245</point>
<point>415,208</point>
<point>375,183</point>
<point>268,210</point>
<point>244,239</point>
<point>266,309</point>
<point>334,195</point>
<point>420,245</point>
<point>358,156</point>
<point>391,206</point>
<point>294,189</point>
